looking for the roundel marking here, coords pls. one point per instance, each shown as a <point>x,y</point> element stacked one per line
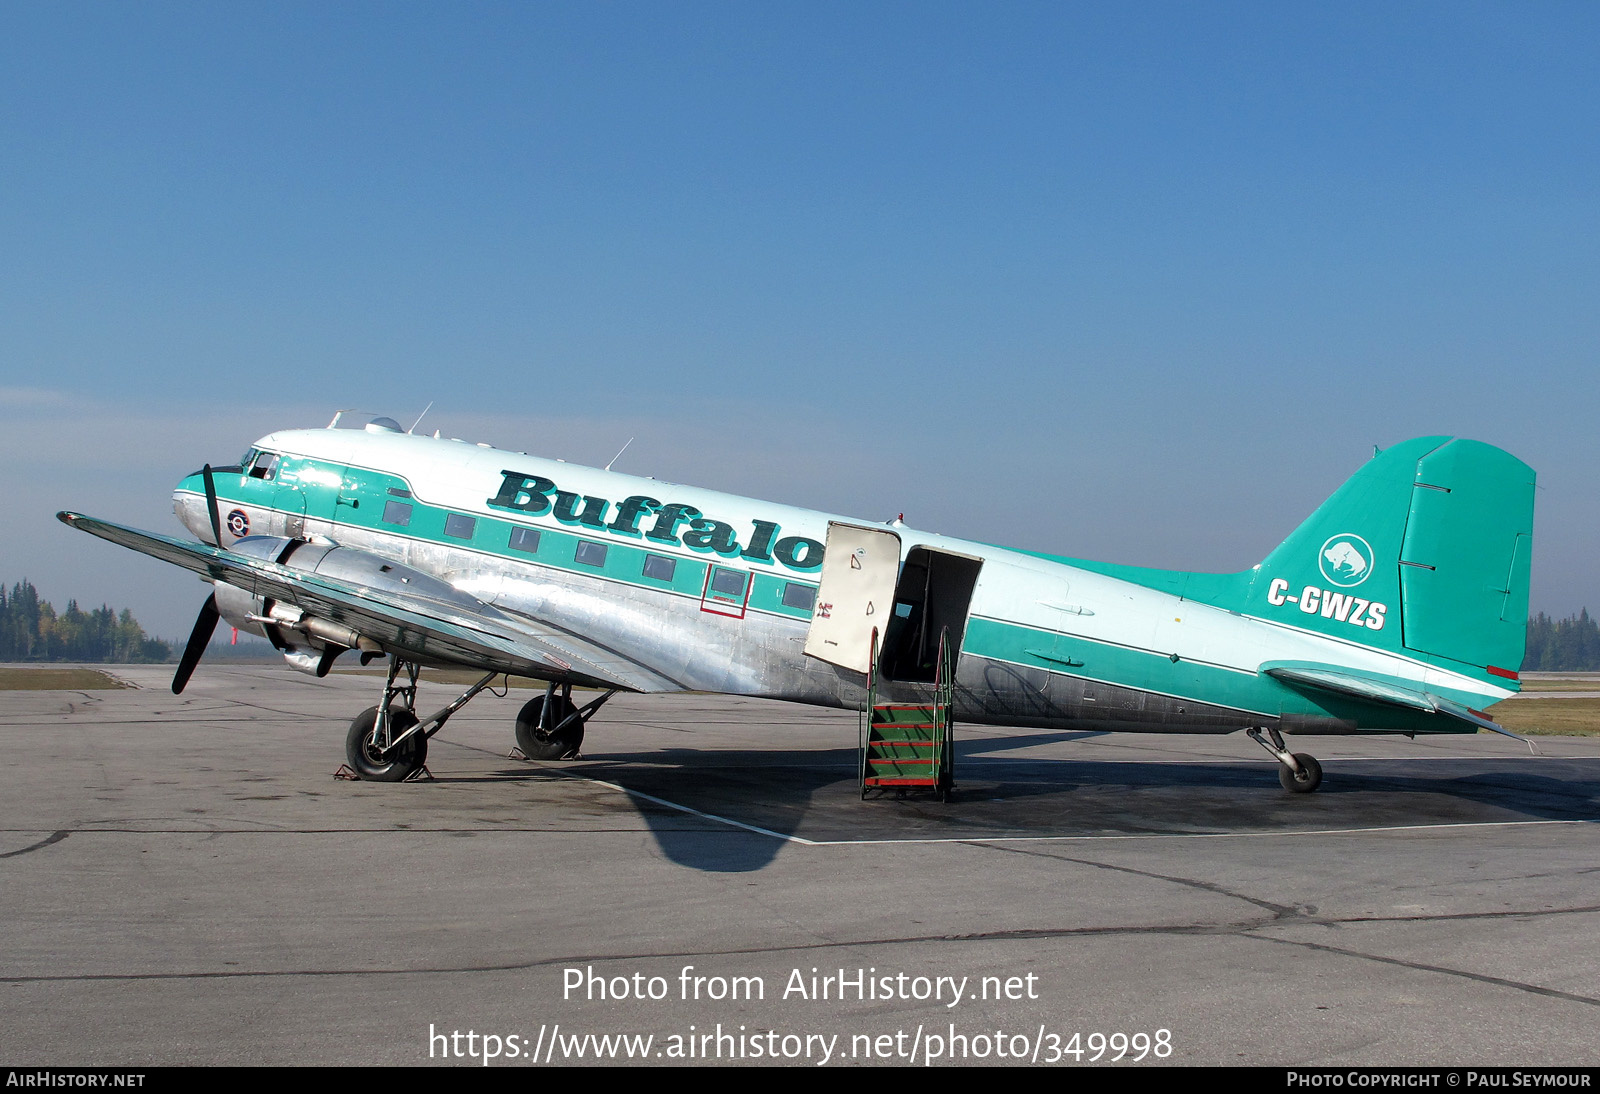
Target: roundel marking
<point>238,523</point>
<point>1345,560</point>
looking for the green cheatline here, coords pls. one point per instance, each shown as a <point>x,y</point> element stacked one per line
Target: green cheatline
<point>50,679</point>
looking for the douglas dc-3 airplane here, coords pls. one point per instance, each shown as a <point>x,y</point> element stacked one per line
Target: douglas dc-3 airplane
<point>1399,606</point>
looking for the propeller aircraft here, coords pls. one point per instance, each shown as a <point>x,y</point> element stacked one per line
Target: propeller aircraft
<point>1398,606</point>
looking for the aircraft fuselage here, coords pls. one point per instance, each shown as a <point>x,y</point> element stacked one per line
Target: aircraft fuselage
<point>717,592</point>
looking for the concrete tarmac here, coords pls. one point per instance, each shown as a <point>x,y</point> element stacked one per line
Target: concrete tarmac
<point>183,881</point>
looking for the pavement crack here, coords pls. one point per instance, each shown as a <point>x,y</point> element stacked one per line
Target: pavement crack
<point>1444,917</point>
<point>1283,913</point>
<point>54,837</point>
<point>1024,934</point>
<point>1423,966</point>
<point>1280,911</point>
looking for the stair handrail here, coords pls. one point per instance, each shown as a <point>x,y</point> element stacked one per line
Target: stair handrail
<point>864,719</point>
<point>943,702</point>
<point>872,669</point>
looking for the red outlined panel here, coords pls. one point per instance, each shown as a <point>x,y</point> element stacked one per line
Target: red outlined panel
<point>719,598</point>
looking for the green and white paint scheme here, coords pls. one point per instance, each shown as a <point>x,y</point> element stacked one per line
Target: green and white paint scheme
<point>1398,606</point>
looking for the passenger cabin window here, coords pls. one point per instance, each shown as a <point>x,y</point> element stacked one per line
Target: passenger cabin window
<point>591,553</point>
<point>727,582</point>
<point>660,567</point>
<point>397,512</point>
<point>799,596</point>
<point>264,466</point>
<point>459,526</point>
<point>525,540</point>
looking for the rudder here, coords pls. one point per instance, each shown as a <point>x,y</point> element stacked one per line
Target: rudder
<point>1466,557</point>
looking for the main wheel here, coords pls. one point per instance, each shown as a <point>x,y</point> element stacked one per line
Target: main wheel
<point>399,764</point>
<point>558,745</point>
<point>1304,781</point>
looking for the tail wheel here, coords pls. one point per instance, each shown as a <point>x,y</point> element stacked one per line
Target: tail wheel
<point>557,744</point>
<point>361,752</point>
<point>1304,781</point>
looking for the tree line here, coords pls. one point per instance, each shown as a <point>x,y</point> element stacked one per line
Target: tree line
<point>1562,645</point>
<point>32,630</point>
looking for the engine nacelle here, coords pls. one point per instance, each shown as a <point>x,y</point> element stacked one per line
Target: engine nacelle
<point>239,608</point>
<point>308,642</point>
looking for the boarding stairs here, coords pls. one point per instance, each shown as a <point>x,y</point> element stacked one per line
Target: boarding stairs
<point>907,746</point>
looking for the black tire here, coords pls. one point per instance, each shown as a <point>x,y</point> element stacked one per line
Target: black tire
<point>560,745</point>
<point>398,765</point>
<point>1304,781</point>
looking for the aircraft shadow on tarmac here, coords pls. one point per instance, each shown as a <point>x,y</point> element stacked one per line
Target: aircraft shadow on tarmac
<point>816,797</point>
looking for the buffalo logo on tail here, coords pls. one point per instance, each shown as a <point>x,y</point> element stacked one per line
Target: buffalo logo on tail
<point>1345,560</point>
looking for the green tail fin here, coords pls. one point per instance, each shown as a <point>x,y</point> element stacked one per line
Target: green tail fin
<point>1424,551</point>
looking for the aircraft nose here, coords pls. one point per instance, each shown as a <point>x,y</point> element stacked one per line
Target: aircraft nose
<point>189,505</point>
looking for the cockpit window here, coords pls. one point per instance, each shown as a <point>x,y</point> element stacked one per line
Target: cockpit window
<point>264,466</point>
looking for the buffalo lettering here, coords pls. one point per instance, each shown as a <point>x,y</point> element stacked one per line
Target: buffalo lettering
<point>638,517</point>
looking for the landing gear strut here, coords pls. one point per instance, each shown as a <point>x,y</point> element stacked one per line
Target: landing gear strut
<point>550,726</point>
<point>1299,772</point>
<point>387,743</point>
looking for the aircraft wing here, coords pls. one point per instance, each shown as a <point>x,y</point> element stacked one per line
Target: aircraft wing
<point>1342,680</point>
<point>456,631</point>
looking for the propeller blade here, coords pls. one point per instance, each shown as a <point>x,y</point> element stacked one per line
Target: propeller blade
<point>199,638</point>
<point>211,507</point>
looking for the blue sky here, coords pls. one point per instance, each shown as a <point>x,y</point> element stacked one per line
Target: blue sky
<point>1139,282</point>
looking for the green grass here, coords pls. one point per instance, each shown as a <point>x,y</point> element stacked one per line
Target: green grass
<point>32,679</point>
<point>1549,717</point>
<point>1561,683</point>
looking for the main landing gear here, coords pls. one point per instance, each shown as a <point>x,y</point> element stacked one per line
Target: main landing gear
<point>550,726</point>
<point>1299,772</point>
<point>389,743</point>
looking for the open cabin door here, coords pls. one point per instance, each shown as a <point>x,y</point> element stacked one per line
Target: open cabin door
<point>864,587</point>
<point>932,598</point>
<point>855,595</point>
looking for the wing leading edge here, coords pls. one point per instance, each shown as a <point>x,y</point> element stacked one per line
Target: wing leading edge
<point>465,632</point>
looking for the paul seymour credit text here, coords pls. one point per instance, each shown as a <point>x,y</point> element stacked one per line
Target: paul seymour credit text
<point>925,1042</point>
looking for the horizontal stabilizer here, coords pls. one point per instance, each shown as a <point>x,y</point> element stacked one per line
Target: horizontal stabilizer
<point>1342,680</point>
